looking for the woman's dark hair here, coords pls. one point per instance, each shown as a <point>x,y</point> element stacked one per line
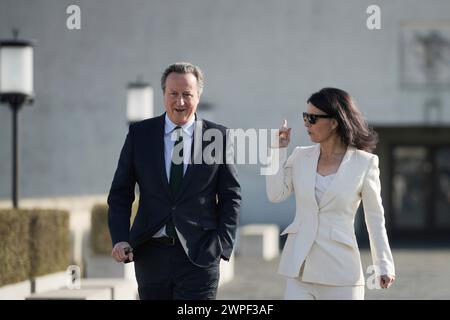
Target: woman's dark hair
<point>352,127</point>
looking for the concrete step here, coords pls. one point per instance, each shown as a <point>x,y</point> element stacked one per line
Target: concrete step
<point>120,289</point>
<point>72,294</point>
<point>260,240</point>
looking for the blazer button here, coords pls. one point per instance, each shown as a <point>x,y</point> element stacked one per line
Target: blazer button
<point>174,207</point>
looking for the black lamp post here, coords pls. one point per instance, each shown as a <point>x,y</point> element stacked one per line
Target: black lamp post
<point>16,89</point>
<point>139,101</point>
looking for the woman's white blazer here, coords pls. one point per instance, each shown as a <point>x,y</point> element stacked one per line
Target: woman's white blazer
<point>322,235</point>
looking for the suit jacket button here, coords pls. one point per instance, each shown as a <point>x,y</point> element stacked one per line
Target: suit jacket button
<point>174,207</point>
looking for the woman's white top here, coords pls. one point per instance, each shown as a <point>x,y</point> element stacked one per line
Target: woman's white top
<point>322,184</point>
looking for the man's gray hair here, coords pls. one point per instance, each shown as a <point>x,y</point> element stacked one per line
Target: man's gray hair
<point>183,68</point>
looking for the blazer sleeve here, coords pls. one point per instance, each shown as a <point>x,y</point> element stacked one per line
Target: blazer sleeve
<point>121,194</point>
<point>279,185</point>
<point>374,217</point>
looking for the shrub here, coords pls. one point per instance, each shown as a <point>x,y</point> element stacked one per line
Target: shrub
<point>49,241</point>
<point>14,246</point>
<point>33,243</point>
<point>100,237</point>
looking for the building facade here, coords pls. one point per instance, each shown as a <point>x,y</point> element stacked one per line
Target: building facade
<point>262,59</point>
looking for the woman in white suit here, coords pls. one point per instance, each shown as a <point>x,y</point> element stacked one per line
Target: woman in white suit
<point>321,259</point>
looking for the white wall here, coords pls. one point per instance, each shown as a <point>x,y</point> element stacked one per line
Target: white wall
<point>261,58</point>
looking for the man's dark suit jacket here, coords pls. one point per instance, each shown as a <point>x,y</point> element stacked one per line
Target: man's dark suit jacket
<point>205,211</point>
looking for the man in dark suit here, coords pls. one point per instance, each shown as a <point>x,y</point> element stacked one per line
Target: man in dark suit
<point>188,209</point>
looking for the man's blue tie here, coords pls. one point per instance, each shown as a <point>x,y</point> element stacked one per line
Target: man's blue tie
<point>176,178</point>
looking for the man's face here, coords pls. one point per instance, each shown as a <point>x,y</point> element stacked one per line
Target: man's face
<point>181,97</point>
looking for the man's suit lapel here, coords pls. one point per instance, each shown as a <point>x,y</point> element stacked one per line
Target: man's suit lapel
<point>159,151</point>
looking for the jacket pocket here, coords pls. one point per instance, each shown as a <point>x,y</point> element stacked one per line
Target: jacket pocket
<point>208,219</point>
<point>209,223</point>
<point>343,237</point>
<point>209,226</point>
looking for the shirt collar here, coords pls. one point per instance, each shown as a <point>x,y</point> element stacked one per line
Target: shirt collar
<point>188,127</point>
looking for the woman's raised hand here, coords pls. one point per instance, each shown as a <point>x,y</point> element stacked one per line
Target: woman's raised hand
<point>284,135</point>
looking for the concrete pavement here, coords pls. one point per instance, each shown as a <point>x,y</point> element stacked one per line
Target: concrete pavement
<point>421,274</point>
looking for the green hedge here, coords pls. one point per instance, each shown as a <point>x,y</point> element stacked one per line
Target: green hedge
<point>100,237</point>
<point>33,243</point>
<point>14,246</point>
<point>50,241</point>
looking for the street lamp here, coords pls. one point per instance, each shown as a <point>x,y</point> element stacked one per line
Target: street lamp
<point>139,104</point>
<point>139,101</point>
<point>16,89</point>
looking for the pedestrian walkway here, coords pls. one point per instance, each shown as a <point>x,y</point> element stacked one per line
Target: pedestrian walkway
<point>421,274</point>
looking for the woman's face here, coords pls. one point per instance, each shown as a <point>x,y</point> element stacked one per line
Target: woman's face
<point>323,128</point>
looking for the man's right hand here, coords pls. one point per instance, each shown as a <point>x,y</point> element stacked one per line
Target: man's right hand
<point>284,135</point>
<point>119,254</point>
